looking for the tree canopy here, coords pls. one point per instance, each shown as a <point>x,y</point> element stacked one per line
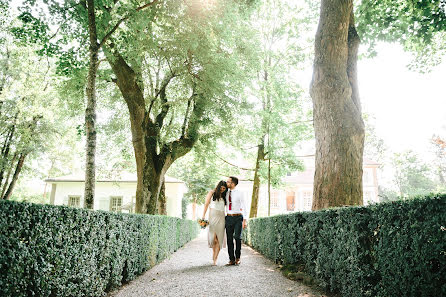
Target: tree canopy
<point>420,26</point>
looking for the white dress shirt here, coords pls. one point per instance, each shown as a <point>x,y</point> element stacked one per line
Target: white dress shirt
<point>238,203</point>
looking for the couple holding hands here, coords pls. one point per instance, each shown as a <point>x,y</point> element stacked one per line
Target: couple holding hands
<point>227,211</point>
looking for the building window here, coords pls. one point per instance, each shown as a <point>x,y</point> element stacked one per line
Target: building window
<point>307,197</point>
<point>274,199</point>
<point>115,203</point>
<point>366,177</point>
<point>74,201</point>
<point>290,200</point>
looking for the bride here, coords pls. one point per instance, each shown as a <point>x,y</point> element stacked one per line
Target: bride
<point>216,201</point>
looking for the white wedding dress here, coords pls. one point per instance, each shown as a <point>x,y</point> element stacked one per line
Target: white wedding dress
<point>217,223</point>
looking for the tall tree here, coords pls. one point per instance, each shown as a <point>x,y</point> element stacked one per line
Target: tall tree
<point>192,72</point>
<point>78,22</point>
<point>338,125</point>
<point>27,112</point>
<point>412,176</point>
<point>279,96</point>
<point>90,112</point>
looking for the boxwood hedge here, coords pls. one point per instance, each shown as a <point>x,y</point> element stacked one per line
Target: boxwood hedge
<point>50,250</point>
<point>387,249</point>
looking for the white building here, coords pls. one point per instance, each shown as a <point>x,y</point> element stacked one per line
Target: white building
<point>112,194</point>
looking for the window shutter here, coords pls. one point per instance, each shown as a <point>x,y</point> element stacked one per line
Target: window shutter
<point>65,200</point>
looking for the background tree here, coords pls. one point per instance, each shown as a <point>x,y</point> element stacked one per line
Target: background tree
<point>439,147</point>
<point>27,110</point>
<point>374,146</point>
<point>199,170</point>
<point>412,176</point>
<point>277,94</point>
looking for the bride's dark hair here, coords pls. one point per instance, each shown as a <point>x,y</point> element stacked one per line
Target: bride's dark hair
<point>217,192</point>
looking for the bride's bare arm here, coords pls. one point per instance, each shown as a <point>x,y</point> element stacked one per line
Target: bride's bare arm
<point>207,202</point>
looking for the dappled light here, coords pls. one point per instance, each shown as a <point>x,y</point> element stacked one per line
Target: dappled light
<point>222,148</point>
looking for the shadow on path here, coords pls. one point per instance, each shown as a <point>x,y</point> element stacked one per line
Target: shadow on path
<point>189,272</point>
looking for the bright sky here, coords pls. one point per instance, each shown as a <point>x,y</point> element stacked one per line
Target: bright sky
<point>409,107</point>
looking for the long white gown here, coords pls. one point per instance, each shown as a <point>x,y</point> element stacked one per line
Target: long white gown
<point>217,223</point>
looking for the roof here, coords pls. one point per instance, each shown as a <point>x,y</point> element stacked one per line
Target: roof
<point>370,162</point>
<point>125,177</point>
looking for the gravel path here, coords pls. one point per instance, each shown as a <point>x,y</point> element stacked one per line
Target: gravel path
<point>189,272</point>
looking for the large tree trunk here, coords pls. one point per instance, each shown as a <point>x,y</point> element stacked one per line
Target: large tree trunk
<point>256,185</point>
<point>90,112</point>
<point>152,182</point>
<point>338,124</point>
<point>153,159</point>
<point>133,96</point>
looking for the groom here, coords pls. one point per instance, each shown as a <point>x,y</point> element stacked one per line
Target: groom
<point>236,216</point>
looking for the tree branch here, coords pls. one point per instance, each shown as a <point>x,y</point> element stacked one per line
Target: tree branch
<point>183,128</point>
<point>126,80</point>
<point>164,104</point>
<point>301,122</point>
<point>247,169</point>
<point>116,26</point>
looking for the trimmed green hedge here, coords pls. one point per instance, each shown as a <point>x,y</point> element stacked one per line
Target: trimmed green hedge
<point>387,249</point>
<point>50,250</point>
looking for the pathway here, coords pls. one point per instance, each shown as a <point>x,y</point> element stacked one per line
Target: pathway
<point>189,272</point>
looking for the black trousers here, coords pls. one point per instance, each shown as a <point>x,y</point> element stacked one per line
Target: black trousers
<point>234,231</point>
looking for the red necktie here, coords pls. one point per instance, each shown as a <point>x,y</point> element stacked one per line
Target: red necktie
<point>230,200</point>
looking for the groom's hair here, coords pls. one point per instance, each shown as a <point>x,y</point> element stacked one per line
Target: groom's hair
<point>234,180</point>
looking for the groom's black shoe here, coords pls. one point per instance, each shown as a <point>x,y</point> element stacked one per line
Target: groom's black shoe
<point>237,261</point>
<point>231,263</point>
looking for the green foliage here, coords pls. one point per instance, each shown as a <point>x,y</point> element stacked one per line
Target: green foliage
<point>30,118</point>
<point>56,30</point>
<point>374,146</point>
<point>275,119</point>
<point>387,249</point>
<point>60,251</point>
<point>412,176</point>
<point>420,26</point>
<point>24,194</point>
<point>199,170</point>
<point>438,145</point>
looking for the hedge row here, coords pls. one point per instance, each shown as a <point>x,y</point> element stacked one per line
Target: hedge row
<point>387,249</point>
<point>50,250</point>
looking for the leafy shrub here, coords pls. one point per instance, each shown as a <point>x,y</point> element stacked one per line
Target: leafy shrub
<point>48,250</point>
<point>387,249</point>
